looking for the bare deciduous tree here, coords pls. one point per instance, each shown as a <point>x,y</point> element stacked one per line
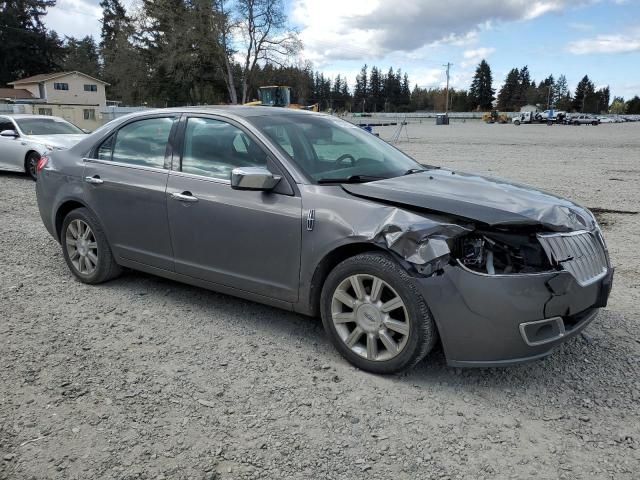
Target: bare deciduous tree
<point>254,32</point>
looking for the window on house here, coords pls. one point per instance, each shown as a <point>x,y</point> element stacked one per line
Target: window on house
<point>89,114</point>
<point>61,86</point>
<point>90,88</point>
<point>45,111</point>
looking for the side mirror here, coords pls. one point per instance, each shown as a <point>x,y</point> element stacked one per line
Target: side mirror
<point>253,178</point>
<point>9,133</point>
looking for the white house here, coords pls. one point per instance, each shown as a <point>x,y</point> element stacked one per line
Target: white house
<point>74,96</point>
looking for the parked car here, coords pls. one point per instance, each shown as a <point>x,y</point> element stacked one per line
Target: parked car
<point>583,119</point>
<point>310,213</point>
<point>606,119</point>
<point>25,138</point>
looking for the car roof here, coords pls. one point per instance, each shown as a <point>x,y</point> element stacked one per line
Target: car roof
<point>238,110</point>
<point>26,115</point>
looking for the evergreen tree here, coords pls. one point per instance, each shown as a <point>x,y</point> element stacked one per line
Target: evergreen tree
<point>82,56</point>
<point>375,90</point>
<point>584,95</point>
<point>522,90</point>
<point>405,92</point>
<point>509,91</point>
<point>633,106</point>
<point>562,95</point>
<point>361,90</point>
<point>481,91</point>
<point>602,99</point>
<point>26,47</point>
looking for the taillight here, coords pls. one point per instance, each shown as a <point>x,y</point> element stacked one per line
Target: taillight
<point>42,163</point>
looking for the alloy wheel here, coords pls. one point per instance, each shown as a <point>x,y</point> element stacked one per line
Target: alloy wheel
<point>82,247</point>
<point>370,317</point>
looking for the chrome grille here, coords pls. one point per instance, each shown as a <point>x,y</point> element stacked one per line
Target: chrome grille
<point>580,253</point>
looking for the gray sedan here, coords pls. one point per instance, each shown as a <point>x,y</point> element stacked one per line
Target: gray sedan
<point>309,213</point>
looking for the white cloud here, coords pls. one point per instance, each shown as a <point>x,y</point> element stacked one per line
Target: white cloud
<point>474,56</point>
<point>75,18</point>
<point>334,30</point>
<point>614,43</point>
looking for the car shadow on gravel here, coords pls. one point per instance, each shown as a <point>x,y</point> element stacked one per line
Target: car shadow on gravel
<point>203,303</point>
<point>584,360</point>
<point>16,175</point>
<point>581,358</point>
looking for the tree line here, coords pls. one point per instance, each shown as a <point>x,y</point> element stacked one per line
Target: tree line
<point>189,52</point>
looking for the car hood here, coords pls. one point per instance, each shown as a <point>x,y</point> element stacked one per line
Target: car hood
<point>62,141</point>
<point>491,201</point>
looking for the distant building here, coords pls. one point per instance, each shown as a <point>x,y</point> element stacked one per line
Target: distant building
<point>74,96</point>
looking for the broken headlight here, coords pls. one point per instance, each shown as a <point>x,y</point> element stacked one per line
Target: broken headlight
<point>501,253</point>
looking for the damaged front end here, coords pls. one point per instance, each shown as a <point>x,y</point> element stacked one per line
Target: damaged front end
<point>501,295</point>
<point>431,244</point>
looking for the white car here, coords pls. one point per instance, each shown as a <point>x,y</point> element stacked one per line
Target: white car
<point>25,138</point>
<point>604,119</point>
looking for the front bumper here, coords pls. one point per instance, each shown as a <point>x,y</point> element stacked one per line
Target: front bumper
<point>501,320</point>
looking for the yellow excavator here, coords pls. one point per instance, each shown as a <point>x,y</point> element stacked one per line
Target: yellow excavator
<point>495,117</point>
<point>279,96</point>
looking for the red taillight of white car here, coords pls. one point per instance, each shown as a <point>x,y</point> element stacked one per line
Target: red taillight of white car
<point>42,163</point>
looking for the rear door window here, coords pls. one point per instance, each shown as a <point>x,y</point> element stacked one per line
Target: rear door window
<point>143,143</point>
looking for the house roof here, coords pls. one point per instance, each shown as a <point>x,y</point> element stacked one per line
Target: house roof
<point>43,77</point>
<point>15,93</point>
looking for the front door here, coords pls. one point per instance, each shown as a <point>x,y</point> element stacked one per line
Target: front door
<point>12,149</point>
<point>242,239</point>
<point>126,183</point>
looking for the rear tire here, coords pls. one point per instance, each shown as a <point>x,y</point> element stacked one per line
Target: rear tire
<point>396,329</point>
<point>31,164</point>
<point>85,248</point>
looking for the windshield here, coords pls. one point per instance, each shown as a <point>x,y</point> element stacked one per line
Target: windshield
<point>47,126</point>
<point>327,148</point>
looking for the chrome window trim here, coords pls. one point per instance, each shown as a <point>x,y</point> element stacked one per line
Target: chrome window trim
<point>177,173</point>
<point>122,164</point>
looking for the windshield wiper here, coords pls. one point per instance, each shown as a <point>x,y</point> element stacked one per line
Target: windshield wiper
<point>414,170</point>
<point>351,179</point>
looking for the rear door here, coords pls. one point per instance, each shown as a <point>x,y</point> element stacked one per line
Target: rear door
<point>247,240</point>
<point>126,180</point>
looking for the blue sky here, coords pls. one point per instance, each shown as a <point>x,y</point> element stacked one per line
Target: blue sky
<point>600,38</point>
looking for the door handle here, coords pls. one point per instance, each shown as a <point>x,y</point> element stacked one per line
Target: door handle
<point>95,180</point>
<point>184,197</point>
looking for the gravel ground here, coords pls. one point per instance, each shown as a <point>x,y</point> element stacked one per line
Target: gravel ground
<point>147,378</point>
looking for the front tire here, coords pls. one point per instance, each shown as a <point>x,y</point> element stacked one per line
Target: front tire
<point>85,248</point>
<point>375,316</point>
<point>31,165</point>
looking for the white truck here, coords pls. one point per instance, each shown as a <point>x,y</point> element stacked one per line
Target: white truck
<point>548,116</point>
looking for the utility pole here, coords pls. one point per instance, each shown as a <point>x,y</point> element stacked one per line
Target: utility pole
<point>446,106</point>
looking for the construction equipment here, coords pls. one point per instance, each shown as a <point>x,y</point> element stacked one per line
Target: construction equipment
<point>279,96</point>
<point>495,117</point>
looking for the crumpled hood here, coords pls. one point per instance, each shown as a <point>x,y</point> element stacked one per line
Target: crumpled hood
<point>62,141</point>
<point>491,201</point>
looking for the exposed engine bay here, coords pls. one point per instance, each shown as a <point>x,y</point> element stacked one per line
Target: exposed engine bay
<point>501,253</point>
